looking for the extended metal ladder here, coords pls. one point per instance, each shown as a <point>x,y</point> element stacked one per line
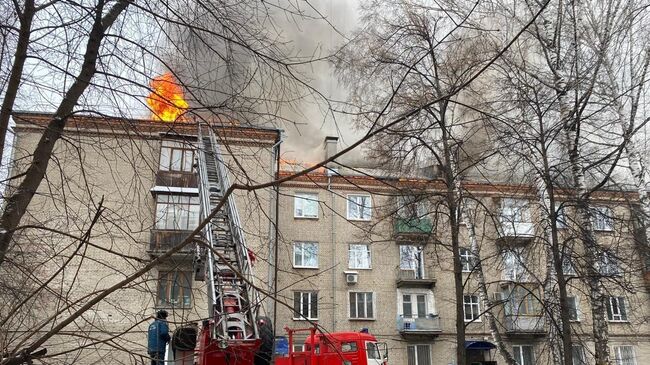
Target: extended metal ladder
<point>233,301</point>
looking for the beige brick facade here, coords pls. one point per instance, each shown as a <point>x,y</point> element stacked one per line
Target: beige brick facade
<point>119,162</point>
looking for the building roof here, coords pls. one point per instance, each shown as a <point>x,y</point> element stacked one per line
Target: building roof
<point>145,128</point>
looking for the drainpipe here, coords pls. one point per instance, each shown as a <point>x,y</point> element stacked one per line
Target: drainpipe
<point>274,208</point>
<point>333,237</point>
<point>330,169</point>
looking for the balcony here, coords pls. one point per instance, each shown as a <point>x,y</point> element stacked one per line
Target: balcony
<point>414,279</point>
<point>413,226</point>
<point>514,232</point>
<point>531,325</point>
<point>418,327</point>
<point>176,179</point>
<point>162,240</point>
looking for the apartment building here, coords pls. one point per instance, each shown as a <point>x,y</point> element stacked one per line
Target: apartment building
<point>354,250</point>
<point>359,251</point>
<point>142,173</point>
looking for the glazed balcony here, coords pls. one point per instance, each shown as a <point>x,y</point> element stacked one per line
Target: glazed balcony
<point>161,240</point>
<point>176,179</point>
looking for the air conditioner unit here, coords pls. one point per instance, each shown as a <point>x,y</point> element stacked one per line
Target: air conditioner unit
<point>351,277</point>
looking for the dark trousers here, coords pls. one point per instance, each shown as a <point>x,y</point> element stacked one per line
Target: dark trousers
<point>157,358</point>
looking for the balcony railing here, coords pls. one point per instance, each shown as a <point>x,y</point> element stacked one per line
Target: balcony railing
<point>413,225</point>
<point>425,325</point>
<point>162,240</point>
<point>522,230</point>
<point>413,278</point>
<point>176,179</point>
<point>524,324</point>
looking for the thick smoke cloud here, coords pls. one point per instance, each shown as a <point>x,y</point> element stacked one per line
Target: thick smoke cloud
<point>303,33</point>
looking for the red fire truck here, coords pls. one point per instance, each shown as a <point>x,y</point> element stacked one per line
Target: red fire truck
<point>336,348</point>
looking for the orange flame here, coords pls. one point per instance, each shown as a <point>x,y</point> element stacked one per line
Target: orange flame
<point>166,100</point>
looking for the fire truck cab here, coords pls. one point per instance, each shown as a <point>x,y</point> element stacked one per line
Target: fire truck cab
<point>337,348</point>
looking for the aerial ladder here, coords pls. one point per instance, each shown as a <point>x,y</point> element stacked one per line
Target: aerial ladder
<point>233,333</point>
<point>230,335</point>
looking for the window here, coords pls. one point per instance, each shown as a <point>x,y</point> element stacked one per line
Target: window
<point>602,218</point>
<point>305,305</point>
<point>305,205</point>
<point>414,305</point>
<point>624,355</point>
<point>418,354</point>
<point>297,347</point>
<point>373,351</point>
<point>305,255</point>
<point>523,354</point>
<point>176,156</point>
<point>562,221</point>
<point>362,305</point>
<point>359,207</point>
<point>523,300</point>
<point>608,264</point>
<point>616,310</point>
<point>578,355</point>
<point>514,267</point>
<point>466,259</point>
<point>358,256</point>
<point>574,308</point>
<point>515,211</point>
<point>567,265</point>
<point>349,347</point>
<point>174,289</point>
<point>177,212</point>
<point>472,308</point>
<point>410,260</point>
<point>411,207</point>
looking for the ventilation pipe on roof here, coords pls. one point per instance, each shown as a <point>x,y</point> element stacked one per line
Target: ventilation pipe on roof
<point>331,149</point>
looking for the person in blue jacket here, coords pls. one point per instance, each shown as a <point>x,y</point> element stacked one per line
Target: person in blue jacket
<point>158,338</point>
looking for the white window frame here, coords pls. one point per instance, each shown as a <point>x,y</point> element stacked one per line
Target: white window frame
<point>576,308</point>
<point>352,255</point>
<point>416,259</point>
<point>302,316</point>
<point>608,264</point>
<point>514,265</point>
<point>520,360</point>
<point>474,303</point>
<point>621,315</point>
<point>515,210</point>
<point>465,259</point>
<point>416,361</point>
<point>602,218</point>
<point>618,356</point>
<point>364,294</point>
<point>302,245</point>
<point>429,302</point>
<point>351,199</point>
<point>185,160</point>
<point>177,212</point>
<point>304,198</point>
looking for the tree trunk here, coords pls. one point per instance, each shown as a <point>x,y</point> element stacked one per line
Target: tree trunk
<point>488,304</point>
<point>18,201</point>
<point>16,70</point>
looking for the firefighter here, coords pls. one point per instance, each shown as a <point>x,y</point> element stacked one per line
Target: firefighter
<point>158,338</point>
